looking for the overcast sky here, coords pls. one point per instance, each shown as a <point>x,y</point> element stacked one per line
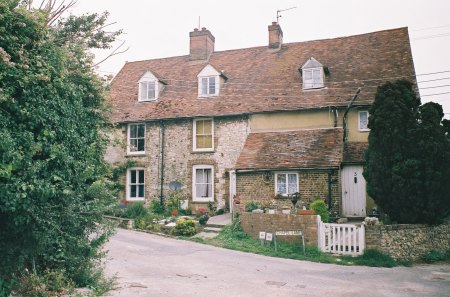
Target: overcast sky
<point>157,29</point>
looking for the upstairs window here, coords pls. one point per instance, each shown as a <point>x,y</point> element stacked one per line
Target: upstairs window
<point>149,87</point>
<point>203,135</point>
<point>209,81</point>
<point>135,184</point>
<point>286,183</point>
<point>136,138</point>
<point>208,86</point>
<point>312,74</point>
<point>363,120</point>
<point>147,90</point>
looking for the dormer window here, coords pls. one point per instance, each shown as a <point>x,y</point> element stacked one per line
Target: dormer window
<point>208,86</point>
<point>312,74</point>
<point>209,82</point>
<point>149,87</point>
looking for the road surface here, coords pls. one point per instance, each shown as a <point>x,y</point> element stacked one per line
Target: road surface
<point>151,265</point>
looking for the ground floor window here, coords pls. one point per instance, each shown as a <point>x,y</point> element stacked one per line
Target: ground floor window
<point>135,184</point>
<point>203,183</point>
<point>286,183</point>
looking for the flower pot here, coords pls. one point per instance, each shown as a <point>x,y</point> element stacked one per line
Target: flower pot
<point>306,212</point>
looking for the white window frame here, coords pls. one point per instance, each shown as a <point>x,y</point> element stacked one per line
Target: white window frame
<point>129,151</point>
<point>309,84</point>
<point>201,86</point>
<point>137,184</point>
<point>146,98</point>
<point>287,181</point>
<point>194,183</point>
<point>359,121</point>
<point>194,135</point>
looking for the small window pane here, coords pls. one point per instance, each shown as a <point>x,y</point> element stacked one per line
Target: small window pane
<point>204,86</point>
<point>307,74</point>
<point>363,120</point>
<point>141,130</point>
<point>133,131</point>
<point>141,191</point>
<point>151,90</point>
<point>140,145</point>
<point>212,85</point>
<point>199,127</point>
<point>292,183</point>
<point>143,90</point>
<point>281,183</point>
<point>133,191</point>
<point>141,176</point>
<point>133,176</point>
<point>207,126</point>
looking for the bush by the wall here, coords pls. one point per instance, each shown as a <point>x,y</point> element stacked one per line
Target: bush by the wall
<point>252,205</point>
<point>185,227</point>
<point>321,209</point>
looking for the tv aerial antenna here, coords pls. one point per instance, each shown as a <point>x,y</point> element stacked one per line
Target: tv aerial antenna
<point>280,10</point>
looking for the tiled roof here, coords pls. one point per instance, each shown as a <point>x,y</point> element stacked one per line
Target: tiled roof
<point>318,148</point>
<point>265,80</point>
<point>354,152</point>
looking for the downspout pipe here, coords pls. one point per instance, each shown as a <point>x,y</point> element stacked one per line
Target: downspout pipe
<point>344,118</point>
<point>161,197</point>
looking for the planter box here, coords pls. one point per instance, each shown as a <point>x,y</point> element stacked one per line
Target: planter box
<point>123,222</point>
<point>306,212</point>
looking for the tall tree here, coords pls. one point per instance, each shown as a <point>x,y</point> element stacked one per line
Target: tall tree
<point>53,189</point>
<point>408,161</point>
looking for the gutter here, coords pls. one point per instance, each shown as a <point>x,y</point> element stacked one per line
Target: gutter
<point>344,118</point>
<point>286,169</point>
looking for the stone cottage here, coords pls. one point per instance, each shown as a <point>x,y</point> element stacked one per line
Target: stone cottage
<point>256,123</point>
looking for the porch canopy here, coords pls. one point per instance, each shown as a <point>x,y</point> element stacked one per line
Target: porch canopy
<point>299,149</point>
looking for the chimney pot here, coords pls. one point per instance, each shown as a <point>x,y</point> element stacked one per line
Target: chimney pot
<point>195,29</point>
<point>203,29</point>
<point>274,23</point>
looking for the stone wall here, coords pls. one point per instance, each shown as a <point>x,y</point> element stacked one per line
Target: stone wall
<point>408,241</point>
<point>313,184</point>
<point>230,134</point>
<point>253,223</point>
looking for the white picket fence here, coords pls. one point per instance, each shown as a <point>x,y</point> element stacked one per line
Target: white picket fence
<point>343,239</point>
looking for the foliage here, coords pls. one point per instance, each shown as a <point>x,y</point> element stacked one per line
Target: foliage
<point>53,178</point>
<point>185,227</point>
<point>156,207</point>
<point>252,205</point>
<point>374,258</point>
<point>203,219</point>
<point>49,283</point>
<point>436,256</point>
<point>219,211</point>
<point>321,209</point>
<point>135,210</point>
<point>148,222</point>
<point>408,160</point>
<point>174,201</point>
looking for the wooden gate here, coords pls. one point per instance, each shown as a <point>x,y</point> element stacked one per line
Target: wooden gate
<point>343,239</point>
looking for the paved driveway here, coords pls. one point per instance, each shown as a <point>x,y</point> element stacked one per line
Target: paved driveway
<point>150,265</point>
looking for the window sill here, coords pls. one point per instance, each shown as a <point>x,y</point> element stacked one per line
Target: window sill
<point>134,199</point>
<point>140,154</point>
<point>202,200</point>
<point>203,151</point>
<point>150,100</point>
<point>364,130</point>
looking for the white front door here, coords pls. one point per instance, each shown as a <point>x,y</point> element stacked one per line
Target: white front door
<point>353,191</point>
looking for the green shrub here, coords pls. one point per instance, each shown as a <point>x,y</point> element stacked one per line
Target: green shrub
<point>187,211</point>
<point>136,210</point>
<point>157,207</point>
<point>185,227</point>
<point>49,283</point>
<point>375,258</point>
<point>203,219</point>
<point>220,211</point>
<point>436,256</point>
<point>148,222</point>
<point>252,205</point>
<point>321,209</point>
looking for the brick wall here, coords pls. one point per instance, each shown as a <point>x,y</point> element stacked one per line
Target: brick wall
<point>253,223</point>
<point>230,134</point>
<point>313,184</point>
<point>408,241</point>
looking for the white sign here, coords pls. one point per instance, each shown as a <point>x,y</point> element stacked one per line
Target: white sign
<point>262,235</point>
<point>291,233</point>
<point>269,236</point>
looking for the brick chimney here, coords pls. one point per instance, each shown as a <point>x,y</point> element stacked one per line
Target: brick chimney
<point>201,44</point>
<point>275,36</point>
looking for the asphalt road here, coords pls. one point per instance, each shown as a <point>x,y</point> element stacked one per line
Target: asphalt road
<point>150,265</point>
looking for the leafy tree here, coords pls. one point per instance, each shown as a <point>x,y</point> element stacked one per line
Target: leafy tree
<point>53,185</point>
<point>408,160</point>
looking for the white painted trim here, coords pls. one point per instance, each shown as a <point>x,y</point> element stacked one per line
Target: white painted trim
<point>321,86</point>
<point>216,86</point>
<point>359,121</point>
<point>127,184</point>
<point>232,183</point>
<point>128,139</point>
<point>194,135</point>
<point>286,172</point>
<point>194,189</point>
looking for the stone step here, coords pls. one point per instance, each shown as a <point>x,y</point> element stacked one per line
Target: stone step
<point>212,229</point>
<point>205,235</point>
<point>214,225</point>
